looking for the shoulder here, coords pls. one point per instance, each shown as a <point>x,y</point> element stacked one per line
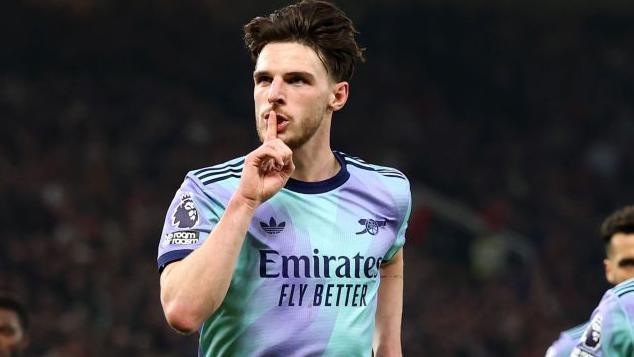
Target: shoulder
<point>383,182</point>
<point>360,167</point>
<point>226,172</point>
<point>623,291</point>
<point>618,297</point>
<point>620,300</point>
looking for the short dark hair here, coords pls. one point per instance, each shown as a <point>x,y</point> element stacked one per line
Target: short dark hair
<point>11,303</point>
<point>620,221</point>
<point>317,24</point>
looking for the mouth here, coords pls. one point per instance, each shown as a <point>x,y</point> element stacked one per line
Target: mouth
<point>282,121</point>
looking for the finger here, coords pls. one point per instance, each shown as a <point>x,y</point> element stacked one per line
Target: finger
<point>271,126</point>
<point>289,168</point>
<point>281,150</point>
<point>266,166</point>
<point>269,156</point>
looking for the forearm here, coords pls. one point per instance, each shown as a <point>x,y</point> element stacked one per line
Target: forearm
<point>387,333</point>
<point>192,289</point>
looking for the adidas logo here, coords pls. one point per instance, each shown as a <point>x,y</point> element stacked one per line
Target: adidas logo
<point>273,227</point>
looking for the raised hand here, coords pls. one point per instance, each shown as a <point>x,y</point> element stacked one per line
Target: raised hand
<point>267,168</point>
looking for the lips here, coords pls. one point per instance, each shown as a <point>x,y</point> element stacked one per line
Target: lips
<point>282,121</point>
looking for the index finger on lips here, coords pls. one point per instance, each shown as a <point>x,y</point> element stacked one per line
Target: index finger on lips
<point>271,126</point>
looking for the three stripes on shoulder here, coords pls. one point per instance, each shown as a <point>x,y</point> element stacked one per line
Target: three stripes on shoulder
<point>623,289</point>
<point>358,162</point>
<point>220,172</point>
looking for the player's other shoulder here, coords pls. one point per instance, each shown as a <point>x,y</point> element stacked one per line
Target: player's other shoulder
<point>624,288</point>
<point>362,167</point>
<point>208,176</point>
<point>623,292</point>
<point>617,300</point>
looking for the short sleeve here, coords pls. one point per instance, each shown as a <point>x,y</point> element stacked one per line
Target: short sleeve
<point>404,206</point>
<point>190,217</point>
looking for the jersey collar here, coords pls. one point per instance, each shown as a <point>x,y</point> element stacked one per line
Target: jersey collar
<point>321,186</point>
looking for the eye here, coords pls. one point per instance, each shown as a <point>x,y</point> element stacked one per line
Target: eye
<point>262,79</point>
<point>627,263</point>
<point>297,80</point>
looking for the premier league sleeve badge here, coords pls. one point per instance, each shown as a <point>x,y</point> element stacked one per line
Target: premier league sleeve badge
<point>186,214</point>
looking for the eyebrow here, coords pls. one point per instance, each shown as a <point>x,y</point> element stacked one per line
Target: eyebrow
<point>626,262</point>
<point>307,75</point>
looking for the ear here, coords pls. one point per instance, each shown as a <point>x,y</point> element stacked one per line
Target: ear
<point>609,272</point>
<point>338,96</point>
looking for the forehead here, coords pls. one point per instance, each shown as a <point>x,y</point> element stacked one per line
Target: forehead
<point>622,243</point>
<point>284,57</point>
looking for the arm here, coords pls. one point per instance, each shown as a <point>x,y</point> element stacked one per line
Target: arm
<point>193,288</point>
<point>387,333</point>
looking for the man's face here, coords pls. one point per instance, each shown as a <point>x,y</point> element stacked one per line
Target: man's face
<point>12,339</point>
<point>619,265</point>
<point>290,79</point>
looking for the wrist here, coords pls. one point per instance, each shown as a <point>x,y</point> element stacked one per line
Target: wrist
<point>240,202</point>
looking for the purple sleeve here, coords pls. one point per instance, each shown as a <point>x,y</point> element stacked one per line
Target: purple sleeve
<point>189,219</point>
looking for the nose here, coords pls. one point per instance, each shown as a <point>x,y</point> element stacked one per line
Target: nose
<point>276,91</point>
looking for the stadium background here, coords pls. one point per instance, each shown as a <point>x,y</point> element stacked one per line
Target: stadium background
<point>514,123</point>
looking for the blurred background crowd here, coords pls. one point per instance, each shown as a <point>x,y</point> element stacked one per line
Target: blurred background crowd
<point>514,124</point>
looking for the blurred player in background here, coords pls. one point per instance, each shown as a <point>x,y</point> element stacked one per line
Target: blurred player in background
<point>14,326</point>
<point>294,249</point>
<point>610,331</point>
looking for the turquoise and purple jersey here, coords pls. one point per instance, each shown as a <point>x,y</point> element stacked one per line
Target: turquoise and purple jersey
<point>567,341</point>
<point>306,281</point>
<point>611,329</point>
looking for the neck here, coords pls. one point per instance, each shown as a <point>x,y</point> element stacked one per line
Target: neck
<point>312,166</point>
